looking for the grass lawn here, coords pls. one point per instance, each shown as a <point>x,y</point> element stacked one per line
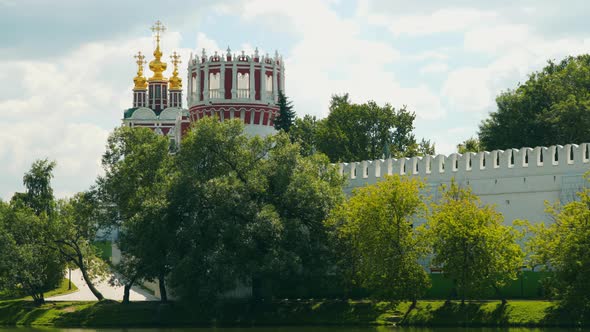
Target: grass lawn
<point>284,313</point>
<point>62,289</point>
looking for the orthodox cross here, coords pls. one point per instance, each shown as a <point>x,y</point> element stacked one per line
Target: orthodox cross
<point>157,29</point>
<point>175,59</point>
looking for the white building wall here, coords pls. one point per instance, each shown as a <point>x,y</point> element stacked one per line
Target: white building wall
<point>517,182</point>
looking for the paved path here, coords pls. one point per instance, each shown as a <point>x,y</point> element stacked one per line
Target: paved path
<point>108,291</point>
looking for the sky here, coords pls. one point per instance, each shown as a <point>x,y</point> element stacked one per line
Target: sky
<point>67,65</point>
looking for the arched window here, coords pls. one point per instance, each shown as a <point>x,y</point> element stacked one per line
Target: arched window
<point>194,84</point>
<point>214,85</point>
<point>243,85</point>
<point>268,86</point>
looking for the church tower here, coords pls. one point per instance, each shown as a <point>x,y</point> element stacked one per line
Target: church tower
<point>157,101</point>
<point>140,88</point>
<point>158,84</point>
<point>175,83</point>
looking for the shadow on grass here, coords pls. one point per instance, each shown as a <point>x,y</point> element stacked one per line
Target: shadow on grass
<point>456,314</point>
<point>567,316</point>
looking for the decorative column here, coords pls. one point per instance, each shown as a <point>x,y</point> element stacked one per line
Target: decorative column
<point>275,91</point>
<point>263,97</point>
<point>234,75</point>
<point>222,80</point>
<point>206,82</point>
<point>252,84</point>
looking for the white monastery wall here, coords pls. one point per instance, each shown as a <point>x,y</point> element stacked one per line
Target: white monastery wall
<point>517,182</point>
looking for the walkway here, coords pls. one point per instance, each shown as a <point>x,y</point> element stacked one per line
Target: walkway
<point>108,291</point>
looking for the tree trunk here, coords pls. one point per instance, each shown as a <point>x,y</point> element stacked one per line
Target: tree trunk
<point>127,290</point>
<point>126,293</point>
<point>38,298</point>
<point>93,289</point>
<point>163,294</point>
<point>502,297</point>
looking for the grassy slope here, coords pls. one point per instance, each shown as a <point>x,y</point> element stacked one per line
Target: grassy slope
<point>428,313</point>
<point>62,289</point>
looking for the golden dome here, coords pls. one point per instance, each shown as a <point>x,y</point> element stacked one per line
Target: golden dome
<point>175,81</point>
<point>156,65</point>
<point>140,80</point>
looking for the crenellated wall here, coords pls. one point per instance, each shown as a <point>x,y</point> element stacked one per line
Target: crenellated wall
<point>517,181</point>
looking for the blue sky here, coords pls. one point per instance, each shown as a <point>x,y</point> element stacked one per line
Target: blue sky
<point>67,66</point>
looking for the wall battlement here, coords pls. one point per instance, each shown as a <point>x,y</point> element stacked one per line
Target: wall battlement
<point>556,159</point>
<point>518,182</point>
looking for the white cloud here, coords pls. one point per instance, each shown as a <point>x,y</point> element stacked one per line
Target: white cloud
<point>434,68</point>
<point>67,108</point>
<point>438,21</point>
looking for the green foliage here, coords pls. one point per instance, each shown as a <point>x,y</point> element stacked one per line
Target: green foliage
<point>353,132</point>
<point>471,244</point>
<point>551,107</point>
<point>28,265</point>
<point>469,145</point>
<point>256,207</point>
<point>382,248</point>
<point>135,188</point>
<point>286,117</point>
<point>563,247</point>
<point>72,234</point>
<point>304,132</point>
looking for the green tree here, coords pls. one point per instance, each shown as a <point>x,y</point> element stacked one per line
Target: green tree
<point>551,107</point>
<point>138,167</point>
<point>286,117</point>
<point>354,132</point>
<point>469,145</point>
<point>27,264</point>
<point>304,132</point>
<point>72,233</point>
<point>471,244</point>
<point>38,192</point>
<point>377,226</point>
<point>256,207</point>
<point>562,246</point>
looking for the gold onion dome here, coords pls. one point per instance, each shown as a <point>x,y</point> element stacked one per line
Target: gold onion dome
<point>156,65</point>
<point>175,81</point>
<point>140,80</point>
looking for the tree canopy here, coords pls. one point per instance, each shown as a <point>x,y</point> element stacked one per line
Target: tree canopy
<point>376,226</point>
<point>286,117</point>
<point>562,246</point>
<point>551,107</point>
<point>354,132</point>
<point>470,243</point>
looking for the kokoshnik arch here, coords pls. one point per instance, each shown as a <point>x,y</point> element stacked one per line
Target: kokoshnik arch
<point>229,86</point>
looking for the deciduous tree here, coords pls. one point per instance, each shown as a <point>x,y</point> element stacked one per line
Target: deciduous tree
<point>377,226</point>
<point>471,244</point>
<point>551,107</point>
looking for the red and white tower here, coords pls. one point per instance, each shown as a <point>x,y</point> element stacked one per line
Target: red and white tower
<point>236,87</point>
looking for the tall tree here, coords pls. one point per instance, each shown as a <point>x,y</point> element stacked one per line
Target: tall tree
<point>28,265</point>
<point>304,132</point>
<point>354,132</point>
<point>551,107</point>
<point>38,192</point>
<point>377,226</point>
<point>471,244</point>
<point>284,121</point>
<point>469,145</point>
<point>256,207</point>
<point>75,228</point>
<point>137,167</point>
<point>562,246</point>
